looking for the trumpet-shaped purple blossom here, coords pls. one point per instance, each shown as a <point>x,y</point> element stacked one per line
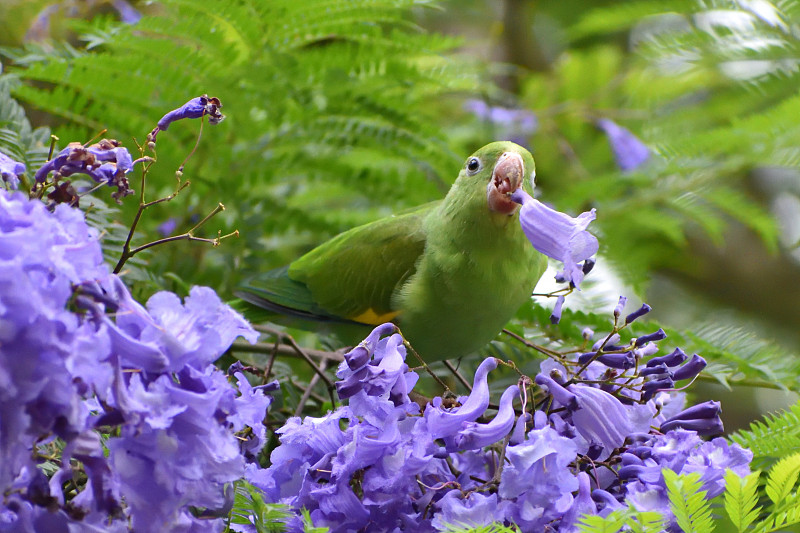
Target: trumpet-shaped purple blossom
<point>629,152</point>
<point>202,106</point>
<point>557,234</point>
<point>10,171</point>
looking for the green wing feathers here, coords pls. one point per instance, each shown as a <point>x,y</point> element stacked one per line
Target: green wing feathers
<point>276,292</point>
<point>351,278</point>
<point>356,274</point>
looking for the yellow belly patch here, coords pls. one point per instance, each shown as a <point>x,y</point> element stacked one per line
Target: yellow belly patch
<point>371,317</point>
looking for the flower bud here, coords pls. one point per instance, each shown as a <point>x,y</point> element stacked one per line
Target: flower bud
<point>643,310</point>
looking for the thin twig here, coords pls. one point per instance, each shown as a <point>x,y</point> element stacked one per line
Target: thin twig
<point>272,356</point>
<point>411,349</point>
<point>526,342</point>
<point>283,349</point>
<point>299,351</point>
<point>307,394</point>
<point>458,375</point>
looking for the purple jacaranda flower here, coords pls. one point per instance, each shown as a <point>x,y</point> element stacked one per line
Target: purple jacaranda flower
<point>704,419</point>
<point>557,234</point>
<point>386,375</point>
<point>443,422</point>
<point>600,418</point>
<point>515,125</point>
<point>105,162</point>
<point>606,502</point>
<point>660,370</point>
<point>41,255</point>
<point>650,337</point>
<point>166,228</point>
<point>474,510</point>
<point>555,316</point>
<point>127,13</point>
<point>682,452</point>
<point>172,449</point>
<point>583,504</point>
<point>250,409</point>
<point>474,435</point>
<point>303,443</point>
<point>193,333</point>
<point>10,171</point>
<point>537,481</point>
<point>360,355</point>
<point>629,152</point>
<point>620,361</point>
<point>651,387</point>
<point>199,107</point>
<point>713,458</point>
<point>613,339</point>
<point>690,369</point>
<point>620,306</point>
<point>643,310</point>
<point>673,358</point>
<point>172,446</point>
<point>557,391</point>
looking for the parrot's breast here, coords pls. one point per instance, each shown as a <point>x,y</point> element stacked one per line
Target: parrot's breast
<point>467,287</point>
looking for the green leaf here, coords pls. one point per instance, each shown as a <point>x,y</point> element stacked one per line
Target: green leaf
<point>249,507</point>
<point>777,435</point>
<point>741,499</point>
<point>782,478</point>
<point>688,503</point>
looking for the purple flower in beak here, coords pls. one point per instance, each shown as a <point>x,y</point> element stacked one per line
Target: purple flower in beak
<point>10,170</point>
<point>629,152</point>
<point>557,234</point>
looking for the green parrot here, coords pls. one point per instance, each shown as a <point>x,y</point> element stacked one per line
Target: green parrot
<point>450,273</point>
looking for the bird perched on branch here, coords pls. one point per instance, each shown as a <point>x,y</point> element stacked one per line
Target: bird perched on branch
<point>449,273</point>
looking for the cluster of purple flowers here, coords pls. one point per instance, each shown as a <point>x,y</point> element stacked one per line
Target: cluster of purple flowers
<point>589,445</point>
<point>106,162</point>
<point>130,391</point>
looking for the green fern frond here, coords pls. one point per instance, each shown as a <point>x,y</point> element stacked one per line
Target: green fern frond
<point>598,524</point>
<point>320,95</point>
<point>741,499</point>
<point>777,435</point>
<point>308,524</point>
<point>688,503</point>
<point>782,479</point>
<point>626,519</point>
<point>250,508</point>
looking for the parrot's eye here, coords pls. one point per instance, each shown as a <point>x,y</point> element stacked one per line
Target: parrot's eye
<point>473,165</point>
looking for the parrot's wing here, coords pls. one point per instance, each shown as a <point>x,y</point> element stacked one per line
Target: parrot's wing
<point>350,278</point>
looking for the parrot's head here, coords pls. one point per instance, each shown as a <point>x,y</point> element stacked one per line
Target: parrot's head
<point>502,167</point>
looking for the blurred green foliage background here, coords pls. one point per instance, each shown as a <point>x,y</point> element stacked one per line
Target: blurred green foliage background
<point>343,111</point>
